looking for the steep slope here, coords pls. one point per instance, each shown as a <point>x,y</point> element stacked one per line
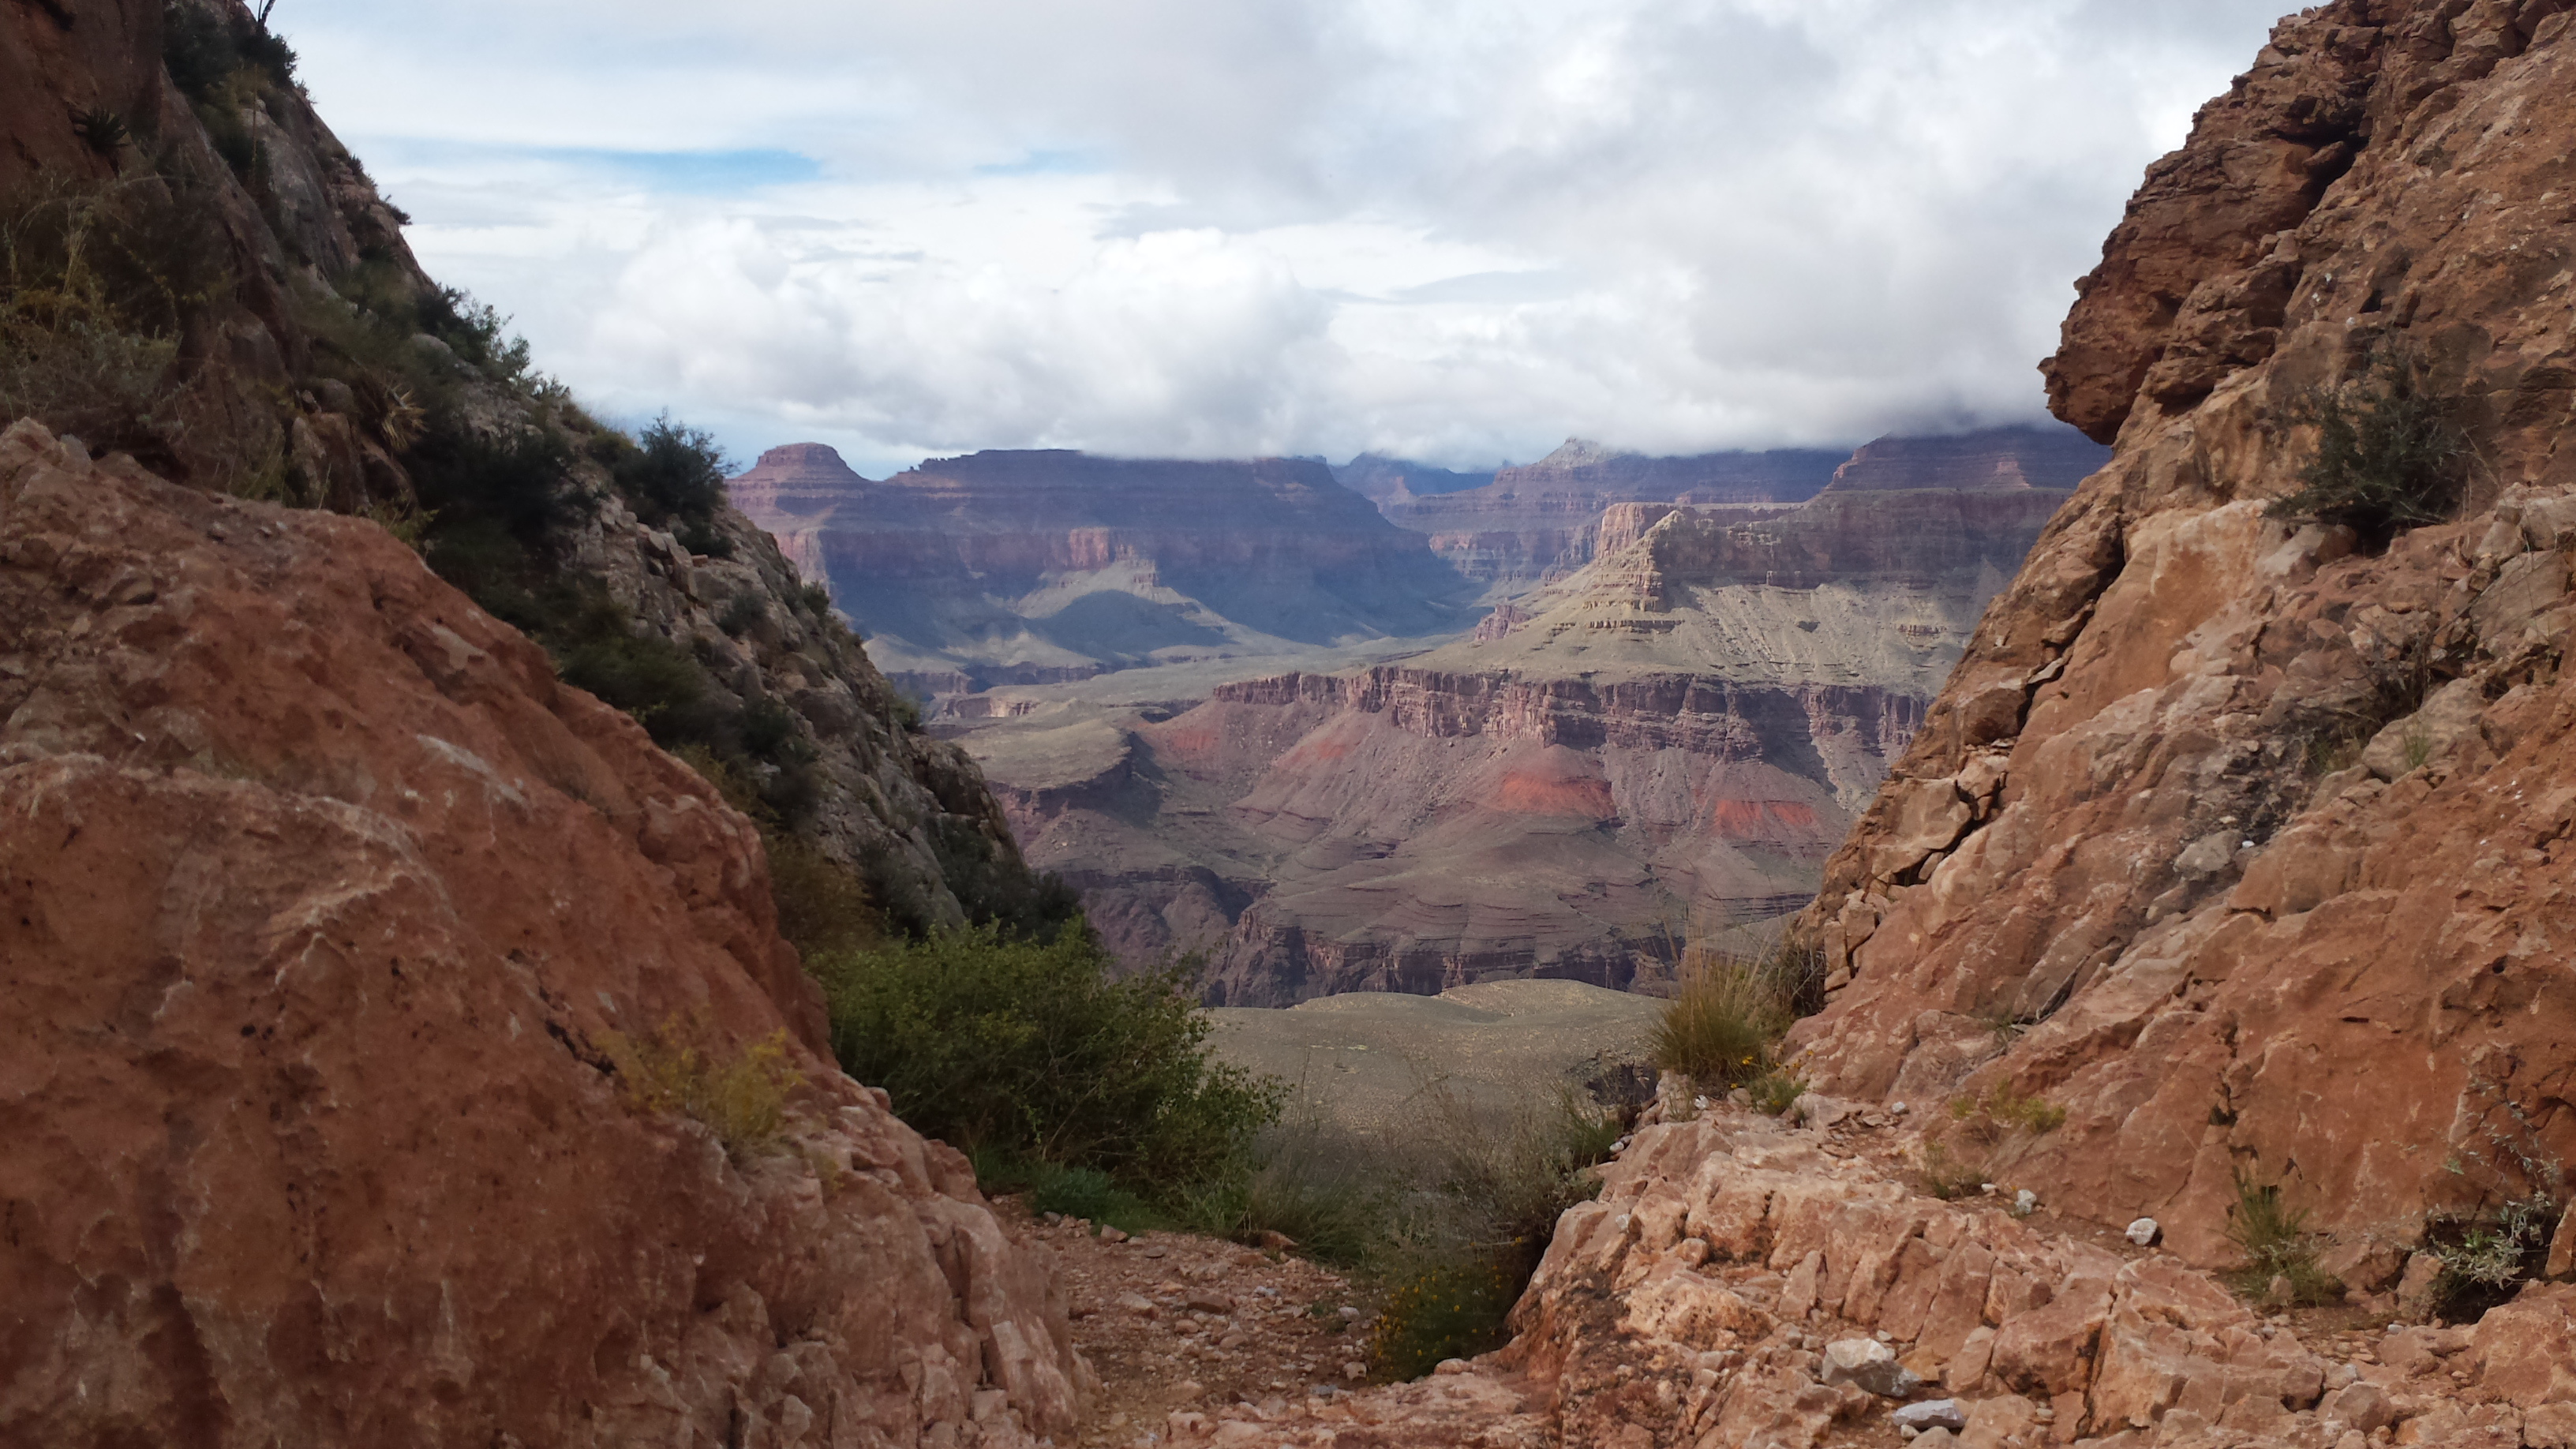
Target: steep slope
<point>326,910</point>
<point>297,374</point>
<point>2245,840</point>
<point>1668,745</point>
<point>1024,567</point>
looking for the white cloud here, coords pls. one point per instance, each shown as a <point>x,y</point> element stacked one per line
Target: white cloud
<point>1461,230</point>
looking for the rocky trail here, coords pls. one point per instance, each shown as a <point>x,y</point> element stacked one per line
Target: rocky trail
<point>1748,1282</point>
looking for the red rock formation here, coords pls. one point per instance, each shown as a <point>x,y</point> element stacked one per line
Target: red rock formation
<point>2249,842</point>
<point>320,903</point>
<point>59,61</point>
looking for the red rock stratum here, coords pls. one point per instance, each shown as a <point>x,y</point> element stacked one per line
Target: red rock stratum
<point>2244,843</point>
<point>321,904</point>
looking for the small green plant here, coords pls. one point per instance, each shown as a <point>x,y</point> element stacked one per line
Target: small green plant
<point>742,614</point>
<point>2278,1248</point>
<point>740,1096</point>
<point>2334,749</point>
<point>1444,1310</point>
<point>1992,1115</point>
<point>2487,1256</point>
<point>2417,745</point>
<point>103,131</point>
<point>1776,1091</point>
<point>1945,1176</point>
<point>2389,454</point>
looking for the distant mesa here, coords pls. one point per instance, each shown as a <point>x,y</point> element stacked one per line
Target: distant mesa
<point>1383,480</point>
<point>2054,456</point>
<point>800,479</point>
<point>1050,565</point>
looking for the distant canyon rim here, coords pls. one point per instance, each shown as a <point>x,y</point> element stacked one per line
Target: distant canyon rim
<point>1385,727</point>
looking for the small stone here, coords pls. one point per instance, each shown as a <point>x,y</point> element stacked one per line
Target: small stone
<point>1112,1235</point>
<point>1896,1107</point>
<point>1189,1388</point>
<point>1234,1340</point>
<point>1454,1366</point>
<point>1354,1370</point>
<point>1932,1414</point>
<point>2144,1232</point>
<point>2025,1202</point>
<point>1138,1304</point>
<point>1154,1251</point>
<point>1347,1312</point>
<point>1208,1300</point>
<point>1869,1365</point>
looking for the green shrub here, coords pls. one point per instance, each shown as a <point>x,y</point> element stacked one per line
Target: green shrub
<point>204,48</point>
<point>2488,1255</point>
<point>2389,454</point>
<point>985,1040</point>
<point>1719,1029</point>
<point>1457,1308</point>
<point>740,1096</point>
<point>742,614</point>
<point>2277,1246</point>
<point>1776,1091</point>
<point>674,476</point>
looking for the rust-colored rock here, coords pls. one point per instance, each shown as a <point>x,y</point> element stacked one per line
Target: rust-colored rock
<point>320,902</point>
<point>2267,866</point>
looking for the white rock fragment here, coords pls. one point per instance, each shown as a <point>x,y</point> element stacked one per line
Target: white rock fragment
<point>1868,1365</point>
<point>2025,1202</point>
<point>2144,1232</point>
<point>1931,1414</point>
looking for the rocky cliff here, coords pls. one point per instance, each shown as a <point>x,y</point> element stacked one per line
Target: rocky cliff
<point>2241,837</point>
<point>1668,743</point>
<point>337,918</point>
<point>1535,524</point>
<point>1023,567</point>
<point>333,923</point>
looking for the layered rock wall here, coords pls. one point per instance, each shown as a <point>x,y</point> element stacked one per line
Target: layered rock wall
<point>2239,838</point>
<point>1023,567</point>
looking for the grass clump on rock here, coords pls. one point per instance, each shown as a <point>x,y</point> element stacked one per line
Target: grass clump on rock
<point>2280,1252</point>
<point>1720,1029</point>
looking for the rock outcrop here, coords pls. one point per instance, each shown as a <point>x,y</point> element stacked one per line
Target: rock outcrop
<point>2243,840</point>
<point>1534,525</point>
<point>331,923</point>
<point>1540,522</point>
<point>1030,567</point>
<point>1666,744</point>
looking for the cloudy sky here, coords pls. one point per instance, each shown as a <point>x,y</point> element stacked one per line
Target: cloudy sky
<point>1459,230</point>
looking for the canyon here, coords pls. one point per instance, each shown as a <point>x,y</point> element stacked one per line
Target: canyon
<point>1664,745</point>
<point>2172,852</point>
